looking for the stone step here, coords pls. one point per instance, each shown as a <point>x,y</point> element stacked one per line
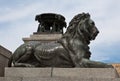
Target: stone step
<point>56,79</point>
<point>43,37</point>
<point>62,72</point>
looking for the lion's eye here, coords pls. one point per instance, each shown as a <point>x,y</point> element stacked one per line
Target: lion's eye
<point>93,23</point>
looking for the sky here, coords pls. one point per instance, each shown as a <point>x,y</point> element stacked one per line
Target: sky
<point>17,20</point>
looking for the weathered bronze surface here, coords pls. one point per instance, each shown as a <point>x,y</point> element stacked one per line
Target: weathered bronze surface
<point>71,50</point>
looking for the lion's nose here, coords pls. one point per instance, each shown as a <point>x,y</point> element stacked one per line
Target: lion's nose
<point>95,30</point>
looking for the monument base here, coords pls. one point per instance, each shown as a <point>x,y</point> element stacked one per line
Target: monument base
<point>60,74</point>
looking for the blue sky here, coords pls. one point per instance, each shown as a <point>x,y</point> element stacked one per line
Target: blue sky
<point>17,20</point>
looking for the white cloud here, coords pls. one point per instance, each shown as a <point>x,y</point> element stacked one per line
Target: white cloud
<point>13,14</point>
<point>12,38</point>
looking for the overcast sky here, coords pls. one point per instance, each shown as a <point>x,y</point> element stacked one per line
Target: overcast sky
<point>17,20</point>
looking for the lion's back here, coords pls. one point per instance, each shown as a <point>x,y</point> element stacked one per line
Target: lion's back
<point>52,54</point>
<point>47,50</point>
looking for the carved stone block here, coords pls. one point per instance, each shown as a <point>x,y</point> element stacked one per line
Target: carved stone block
<point>85,72</point>
<point>27,72</point>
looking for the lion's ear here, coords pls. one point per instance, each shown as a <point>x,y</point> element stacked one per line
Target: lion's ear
<point>88,15</point>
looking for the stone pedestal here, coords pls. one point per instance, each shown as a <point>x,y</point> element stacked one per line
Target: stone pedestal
<point>43,37</point>
<point>27,72</point>
<point>60,74</point>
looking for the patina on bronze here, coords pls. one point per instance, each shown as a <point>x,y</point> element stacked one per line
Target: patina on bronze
<point>71,50</point>
<point>50,23</point>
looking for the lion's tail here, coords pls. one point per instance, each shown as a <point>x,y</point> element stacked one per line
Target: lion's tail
<point>10,61</point>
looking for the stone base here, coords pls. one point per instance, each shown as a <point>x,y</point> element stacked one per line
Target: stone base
<point>85,72</point>
<point>27,72</point>
<point>60,74</point>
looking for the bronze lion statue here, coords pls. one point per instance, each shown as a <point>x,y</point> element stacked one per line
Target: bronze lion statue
<point>71,50</point>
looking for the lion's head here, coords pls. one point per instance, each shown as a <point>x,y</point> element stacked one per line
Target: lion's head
<point>80,32</point>
<point>82,26</point>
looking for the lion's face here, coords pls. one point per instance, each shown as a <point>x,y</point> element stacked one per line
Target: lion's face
<point>91,29</point>
<point>83,27</point>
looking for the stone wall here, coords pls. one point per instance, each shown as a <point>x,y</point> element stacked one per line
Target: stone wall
<point>117,67</point>
<point>4,57</point>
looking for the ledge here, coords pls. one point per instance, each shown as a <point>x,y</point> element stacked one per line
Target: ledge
<point>62,72</point>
